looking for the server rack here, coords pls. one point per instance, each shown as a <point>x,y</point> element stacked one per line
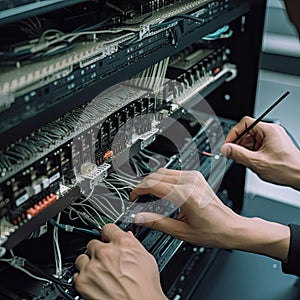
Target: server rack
<point>184,265</point>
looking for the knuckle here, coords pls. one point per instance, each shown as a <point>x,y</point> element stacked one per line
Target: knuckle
<point>198,174</point>
<point>99,255</point>
<point>107,227</point>
<point>80,257</point>
<point>247,119</point>
<point>92,243</point>
<point>152,176</point>
<point>127,236</point>
<point>161,170</point>
<point>119,235</point>
<point>79,284</point>
<point>198,177</point>
<point>273,128</point>
<point>127,240</point>
<point>195,173</point>
<point>278,128</point>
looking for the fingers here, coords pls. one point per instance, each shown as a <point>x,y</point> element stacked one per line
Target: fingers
<point>82,261</point>
<point>160,183</point>
<point>168,177</point>
<point>176,187</point>
<point>239,154</point>
<point>239,128</point>
<point>110,232</point>
<point>168,171</point>
<point>161,223</point>
<point>157,188</point>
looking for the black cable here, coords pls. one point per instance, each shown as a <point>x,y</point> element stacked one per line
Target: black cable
<point>182,16</point>
<point>167,21</point>
<point>33,268</point>
<point>64,292</point>
<point>92,27</point>
<point>37,271</point>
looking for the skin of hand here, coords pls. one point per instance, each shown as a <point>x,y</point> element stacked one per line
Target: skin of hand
<point>117,268</point>
<point>267,150</point>
<point>198,202</point>
<point>211,224</point>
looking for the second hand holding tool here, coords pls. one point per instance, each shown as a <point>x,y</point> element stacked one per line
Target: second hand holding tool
<point>246,130</point>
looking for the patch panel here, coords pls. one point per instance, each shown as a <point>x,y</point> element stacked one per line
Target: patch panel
<point>21,226</point>
<point>28,91</point>
<point>96,140</point>
<point>82,55</point>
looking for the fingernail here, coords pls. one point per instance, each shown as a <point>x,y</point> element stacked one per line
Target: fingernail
<point>139,219</point>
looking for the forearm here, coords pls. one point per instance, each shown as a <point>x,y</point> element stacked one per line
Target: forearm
<point>261,236</point>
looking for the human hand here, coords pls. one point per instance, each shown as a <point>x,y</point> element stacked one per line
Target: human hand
<point>267,150</point>
<point>118,268</point>
<point>203,219</point>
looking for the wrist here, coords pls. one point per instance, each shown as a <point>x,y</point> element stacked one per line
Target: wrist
<point>294,171</point>
<point>260,236</point>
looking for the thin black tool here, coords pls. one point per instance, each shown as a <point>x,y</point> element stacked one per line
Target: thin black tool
<point>219,155</point>
<point>260,117</point>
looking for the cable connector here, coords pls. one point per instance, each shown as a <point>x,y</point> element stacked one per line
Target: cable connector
<point>18,262</point>
<point>39,47</point>
<point>69,228</point>
<point>144,30</point>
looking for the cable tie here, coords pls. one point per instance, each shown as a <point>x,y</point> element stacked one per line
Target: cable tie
<point>69,228</point>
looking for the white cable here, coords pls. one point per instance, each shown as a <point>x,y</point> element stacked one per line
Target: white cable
<point>144,166</point>
<point>150,158</point>
<point>90,194</point>
<point>91,216</point>
<point>8,260</point>
<point>83,206</point>
<point>101,221</point>
<point>126,176</point>
<point>132,185</point>
<point>120,196</point>
<point>138,171</point>
<point>72,36</point>
<point>31,275</point>
<point>72,209</point>
<point>57,253</point>
<point>24,270</point>
<point>112,211</point>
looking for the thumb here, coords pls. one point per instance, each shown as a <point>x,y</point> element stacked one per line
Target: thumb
<point>238,153</point>
<point>158,222</point>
